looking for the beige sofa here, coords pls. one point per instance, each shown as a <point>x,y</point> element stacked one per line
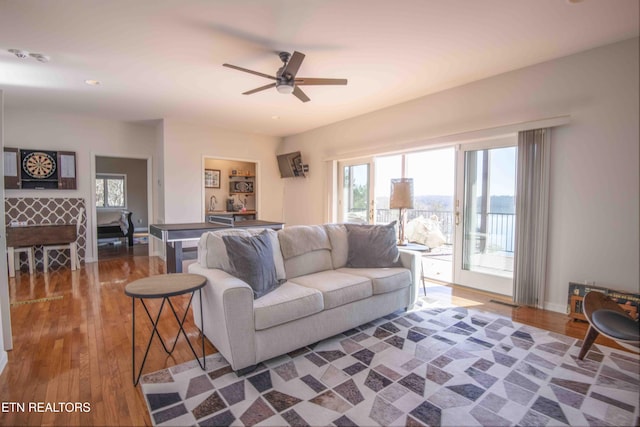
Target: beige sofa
<point>319,296</point>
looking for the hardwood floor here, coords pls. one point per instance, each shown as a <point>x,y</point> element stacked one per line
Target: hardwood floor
<point>76,346</point>
<point>119,251</point>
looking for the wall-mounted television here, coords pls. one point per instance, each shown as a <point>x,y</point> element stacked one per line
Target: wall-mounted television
<point>291,165</point>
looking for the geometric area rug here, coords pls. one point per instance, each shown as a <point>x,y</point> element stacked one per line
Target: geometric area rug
<point>449,367</point>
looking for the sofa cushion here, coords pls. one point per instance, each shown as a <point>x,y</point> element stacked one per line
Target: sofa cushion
<point>300,239</point>
<point>337,288</point>
<point>212,252</point>
<point>288,302</point>
<point>339,244</point>
<point>383,279</point>
<point>277,252</point>
<point>309,263</point>
<point>372,245</point>
<point>251,260</point>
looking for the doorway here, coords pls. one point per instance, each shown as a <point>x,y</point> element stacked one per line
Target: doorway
<point>121,203</point>
<point>230,189</point>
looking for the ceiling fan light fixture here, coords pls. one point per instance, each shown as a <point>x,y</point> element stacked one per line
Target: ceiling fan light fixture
<point>285,89</point>
<point>286,82</point>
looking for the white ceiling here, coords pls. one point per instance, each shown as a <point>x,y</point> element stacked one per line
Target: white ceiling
<point>163,59</point>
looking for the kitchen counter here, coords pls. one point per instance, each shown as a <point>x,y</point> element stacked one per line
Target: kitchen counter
<point>231,212</point>
<point>232,215</point>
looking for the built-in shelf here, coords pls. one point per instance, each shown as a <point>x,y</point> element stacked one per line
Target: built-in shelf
<point>241,184</point>
<point>627,301</point>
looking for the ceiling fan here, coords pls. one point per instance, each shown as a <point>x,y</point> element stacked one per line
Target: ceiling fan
<point>285,79</point>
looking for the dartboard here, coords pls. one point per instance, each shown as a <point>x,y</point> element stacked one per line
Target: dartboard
<point>39,165</point>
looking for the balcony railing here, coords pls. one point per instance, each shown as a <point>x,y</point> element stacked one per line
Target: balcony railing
<point>500,228</point>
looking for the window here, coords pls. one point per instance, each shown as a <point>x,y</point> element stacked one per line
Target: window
<point>111,191</point>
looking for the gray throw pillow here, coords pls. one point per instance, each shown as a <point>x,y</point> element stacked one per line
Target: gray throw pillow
<point>372,245</point>
<point>251,260</point>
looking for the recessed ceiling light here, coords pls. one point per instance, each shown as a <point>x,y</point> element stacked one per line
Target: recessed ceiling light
<point>39,57</point>
<point>275,117</point>
<point>92,82</point>
<point>20,53</point>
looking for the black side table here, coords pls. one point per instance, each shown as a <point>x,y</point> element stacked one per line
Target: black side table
<point>164,286</point>
<point>418,248</point>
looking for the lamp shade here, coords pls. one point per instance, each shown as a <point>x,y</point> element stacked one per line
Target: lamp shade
<point>401,193</point>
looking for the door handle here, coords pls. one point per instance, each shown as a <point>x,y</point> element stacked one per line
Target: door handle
<point>457,217</point>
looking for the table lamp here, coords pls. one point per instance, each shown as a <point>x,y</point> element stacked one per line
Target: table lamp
<point>401,198</point>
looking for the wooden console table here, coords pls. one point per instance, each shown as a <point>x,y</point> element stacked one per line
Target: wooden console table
<point>626,300</point>
<point>38,235</point>
<point>173,236</point>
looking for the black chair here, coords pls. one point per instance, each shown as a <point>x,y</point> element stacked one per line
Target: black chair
<point>606,317</point>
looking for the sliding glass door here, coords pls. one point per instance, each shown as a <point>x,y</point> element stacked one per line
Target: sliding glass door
<point>356,192</point>
<point>386,168</point>
<point>464,208</point>
<point>485,217</point>
<point>431,220</point>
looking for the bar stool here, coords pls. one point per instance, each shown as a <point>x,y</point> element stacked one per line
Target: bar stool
<point>72,246</point>
<point>14,259</point>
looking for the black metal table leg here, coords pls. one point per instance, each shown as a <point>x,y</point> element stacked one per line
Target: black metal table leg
<point>133,341</point>
<point>155,331</point>
<point>181,326</point>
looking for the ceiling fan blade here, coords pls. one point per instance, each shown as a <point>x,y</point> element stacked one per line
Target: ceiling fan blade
<point>300,94</point>
<point>235,67</point>
<point>269,86</point>
<point>308,81</point>
<point>291,69</point>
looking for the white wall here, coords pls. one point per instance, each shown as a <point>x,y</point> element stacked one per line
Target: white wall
<point>157,186</point>
<point>185,146</point>
<point>594,207</point>
<point>84,135</point>
<point>6,340</point>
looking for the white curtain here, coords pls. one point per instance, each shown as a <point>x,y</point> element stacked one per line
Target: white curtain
<point>532,205</point>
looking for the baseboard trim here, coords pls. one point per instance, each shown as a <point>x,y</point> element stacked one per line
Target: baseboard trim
<point>558,308</point>
<point>504,303</point>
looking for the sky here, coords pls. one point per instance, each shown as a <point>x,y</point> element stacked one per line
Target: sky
<point>433,172</point>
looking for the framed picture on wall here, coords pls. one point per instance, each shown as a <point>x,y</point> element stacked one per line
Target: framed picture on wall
<point>212,178</point>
